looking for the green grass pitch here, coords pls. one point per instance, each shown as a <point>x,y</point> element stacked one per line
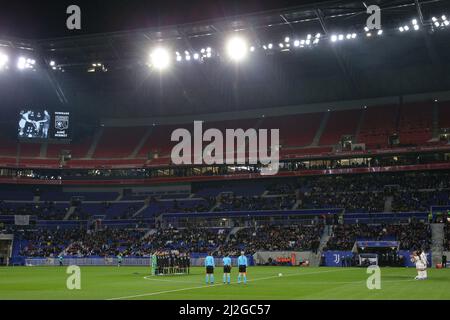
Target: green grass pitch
<point>264,283</point>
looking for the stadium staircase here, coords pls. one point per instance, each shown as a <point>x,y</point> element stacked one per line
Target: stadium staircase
<point>360,123</point>
<point>321,129</point>
<point>233,231</point>
<point>326,234</point>
<point>141,143</point>
<point>145,206</point>
<point>43,150</point>
<point>437,242</point>
<point>94,144</point>
<point>388,203</point>
<point>69,212</point>
<point>149,233</point>
<point>435,121</point>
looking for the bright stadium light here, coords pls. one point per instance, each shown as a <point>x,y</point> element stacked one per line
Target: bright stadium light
<point>252,48</point>
<point>380,32</point>
<point>406,28</point>
<point>21,63</point>
<point>160,58</point>
<point>237,48</point>
<point>270,46</point>
<point>436,24</point>
<point>286,39</point>
<point>446,23</point>
<point>3,61</point>
<point>52,63</point>
<point>296,43</point>
<point>416,27</point>
<point>444,17</point>
<point>341,37</point>
<point>196,56</point>
<point>334,38</point>
<point>366,29</point>
<point>414,22</point>
<point>434,19</point>
<point>401,29</point>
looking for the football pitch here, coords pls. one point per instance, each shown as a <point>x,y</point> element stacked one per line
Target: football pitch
<point>264,283</point>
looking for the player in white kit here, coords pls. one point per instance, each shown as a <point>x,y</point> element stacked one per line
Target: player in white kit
<point>420,259</point>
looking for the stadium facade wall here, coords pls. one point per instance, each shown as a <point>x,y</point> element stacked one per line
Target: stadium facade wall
<point>334,258</point>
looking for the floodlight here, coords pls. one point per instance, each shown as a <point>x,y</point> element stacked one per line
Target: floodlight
<point>414,22</point>
<point>406,28</point>
<point>436,24</point>
<point>286,39</point>
<point>270,46</point>
<point>446,23</point>
<point>444,17</point>
<point>252,48</point>
<point>416,27</point>
<point>380,32</point>
<point>353,35</point>
<point>333,38</point>
<point>296,43</point>
<point>366,29</point>
<point>3,60</point>
<point>160,58</point>
<point>341,37</point>
<point>401,29</point>
<point>196,56</point>
<point>21,63</point>
<point>52,63</point>
<point>236,48</point>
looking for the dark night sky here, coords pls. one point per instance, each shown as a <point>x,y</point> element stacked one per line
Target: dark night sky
<point>45,19</point>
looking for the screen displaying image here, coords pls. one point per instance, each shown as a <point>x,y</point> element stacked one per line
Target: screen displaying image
<point>34,124</point>
<point>61,129</point>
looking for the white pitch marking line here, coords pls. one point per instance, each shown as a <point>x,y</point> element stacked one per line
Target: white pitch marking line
<point>218,284</point>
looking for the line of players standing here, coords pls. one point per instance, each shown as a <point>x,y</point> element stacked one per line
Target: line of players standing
<point>171,263</point>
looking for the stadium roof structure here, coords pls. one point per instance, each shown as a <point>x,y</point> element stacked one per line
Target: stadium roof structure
<point>384,65</point>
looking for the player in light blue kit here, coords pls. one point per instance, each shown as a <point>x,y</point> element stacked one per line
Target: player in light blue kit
<point>209,264</point>
<point>226,269</point>
<point>242,264</point>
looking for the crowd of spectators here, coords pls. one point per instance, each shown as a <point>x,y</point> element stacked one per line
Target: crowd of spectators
<point>43,210</point>
<point>411,236</point>
<point>274,238</point>
<point>232,202</point>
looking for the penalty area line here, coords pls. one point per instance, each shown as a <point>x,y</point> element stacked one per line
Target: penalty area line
<point>214,285</point>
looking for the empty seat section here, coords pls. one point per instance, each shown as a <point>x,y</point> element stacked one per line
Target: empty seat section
<point>118,142</point>
<point>378,124</point>
<point>295,130</point>
<point>339,124</point>
<point>415,123</point>
<point>30,149</point>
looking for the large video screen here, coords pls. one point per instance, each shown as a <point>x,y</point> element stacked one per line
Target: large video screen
<point>43,124</point>
<point>34,124</point>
